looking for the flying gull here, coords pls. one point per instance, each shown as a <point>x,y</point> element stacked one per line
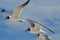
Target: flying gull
<point>36,27</point>
<point>16,12</point>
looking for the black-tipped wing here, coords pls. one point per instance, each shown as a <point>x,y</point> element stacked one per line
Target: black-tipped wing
<point>34,24</point>
<point>37,25</point>
<point>19,9</point>
<point>25,3</point>
<point>47,28</point>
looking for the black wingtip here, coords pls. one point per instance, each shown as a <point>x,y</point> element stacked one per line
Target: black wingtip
<point>48,28</point>
<point>3,10</point>
<point>52,31</point>
<point>25,3</point>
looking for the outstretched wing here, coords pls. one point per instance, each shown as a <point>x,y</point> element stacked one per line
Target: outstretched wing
<point>47,28</point>
<point>31,22</point>
<point>19,9</point>
<point>34,24</point>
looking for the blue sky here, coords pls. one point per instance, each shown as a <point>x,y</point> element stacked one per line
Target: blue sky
<point>46,12</point>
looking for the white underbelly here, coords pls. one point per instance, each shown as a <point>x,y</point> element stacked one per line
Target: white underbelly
<point>14,19</point>
<point>34,32</point>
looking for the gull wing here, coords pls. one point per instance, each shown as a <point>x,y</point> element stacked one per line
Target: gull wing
<point>37,26</point>
<point>19,9</point>
<point>34,24</point>
<point>31,22</point>
<point>47,28</point>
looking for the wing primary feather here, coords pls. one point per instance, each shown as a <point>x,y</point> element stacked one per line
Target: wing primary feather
<point>18,10</point>
<point>25,3</point>
<point>47,28</point>
<point>31,22</point>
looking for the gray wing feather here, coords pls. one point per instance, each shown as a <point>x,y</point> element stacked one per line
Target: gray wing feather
<point>25,3</point>
<point>47,28</point>
<point>19,9</point>
<point>31,22</point>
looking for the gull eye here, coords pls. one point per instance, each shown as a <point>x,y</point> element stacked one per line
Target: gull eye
<point>28,29</point>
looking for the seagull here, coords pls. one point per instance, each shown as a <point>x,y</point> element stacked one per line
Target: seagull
<point>36,27</point>
<point>16,12</point>
<point>43,36</point>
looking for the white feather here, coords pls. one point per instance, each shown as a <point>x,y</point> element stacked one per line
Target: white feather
<point>42,31</point>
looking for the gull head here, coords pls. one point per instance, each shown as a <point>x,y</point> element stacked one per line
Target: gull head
<point>8,17</point>
<point>28,30</point>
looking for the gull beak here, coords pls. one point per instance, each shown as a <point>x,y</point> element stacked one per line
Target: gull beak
<point>27,30</point>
